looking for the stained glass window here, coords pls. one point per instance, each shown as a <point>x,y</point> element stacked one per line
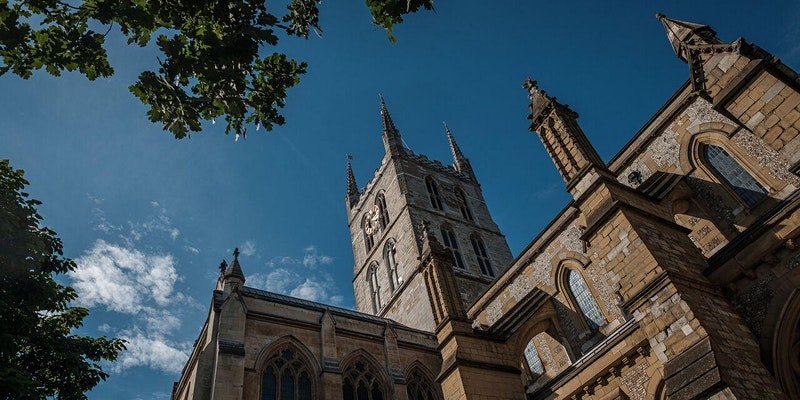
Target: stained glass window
<point>748,189</point>
<point>585,300</point>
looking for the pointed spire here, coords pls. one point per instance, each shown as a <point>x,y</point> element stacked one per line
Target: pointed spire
<point>235,270</point>
<point>388,124</point>
<point>391,136</point>
<point>352,188</point>
<point>683,33</point>
<point>460,163</point>
<point>457,154</point>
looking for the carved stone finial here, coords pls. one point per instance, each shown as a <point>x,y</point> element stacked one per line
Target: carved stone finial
<point>236,253</point>
<point>222,266</point>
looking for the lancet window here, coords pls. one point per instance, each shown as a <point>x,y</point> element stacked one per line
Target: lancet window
<point>374,287</point>
<point>433,193</point>
<point>583,297</point>
<point>734,175</point>
<point>449,239</point>
<point>480,253</point>
<point>390,259</point>
<point>463,205</point>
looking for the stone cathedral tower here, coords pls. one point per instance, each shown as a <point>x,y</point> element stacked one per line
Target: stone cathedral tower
<point>384,221</point>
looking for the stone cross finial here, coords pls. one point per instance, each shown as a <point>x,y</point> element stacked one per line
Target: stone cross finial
<point>236,253</point>
<point>222,266</point>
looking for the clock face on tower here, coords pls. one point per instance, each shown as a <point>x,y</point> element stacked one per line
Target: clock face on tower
<point>371,221</point>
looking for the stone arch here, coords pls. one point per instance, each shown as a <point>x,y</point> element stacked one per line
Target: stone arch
<point>361,357</point>
<point>561,280</point>
<point>427,376</point>
<point>780,336</point>
<point>544,319</point>
<point>299,351</point>
<point>292,341</point>
<point>656,387</point>
<point>692,158</point>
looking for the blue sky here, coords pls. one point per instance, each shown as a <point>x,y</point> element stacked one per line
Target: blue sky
<point>149,218</point>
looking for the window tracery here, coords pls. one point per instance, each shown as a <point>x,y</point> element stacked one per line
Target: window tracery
<point>361,382</point>
<point>419,387</point>
<point>286,377</point>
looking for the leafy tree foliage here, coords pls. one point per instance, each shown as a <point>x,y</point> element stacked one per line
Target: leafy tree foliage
<point>39,355</point>
<point>217,61</point>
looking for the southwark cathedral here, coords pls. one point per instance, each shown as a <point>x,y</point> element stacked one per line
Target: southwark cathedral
<point>671,274</point>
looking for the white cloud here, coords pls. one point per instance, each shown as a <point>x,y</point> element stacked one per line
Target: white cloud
<point>160,322</point>
<point>153,352</point>
<point>312,258</point>
<point>248,248</point>
<point>299,277</point>
<point>194,250</point>
<point>123,279</point>
<point>105,328</point>
<point>154,204</point>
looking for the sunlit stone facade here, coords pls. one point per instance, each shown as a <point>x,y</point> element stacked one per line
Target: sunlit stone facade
<point>671,274</point>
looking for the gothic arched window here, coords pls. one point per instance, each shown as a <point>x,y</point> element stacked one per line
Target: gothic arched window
<point>383,212</point>
<point>390,258</point>
<point>420,387</point>
<point>533,361</point>
<point>449,239</point>
<point>361,382</point>
<point>374,287</point>
<point>286,377</point>
<point>480,253</point>
<point>583,297</point>
<point>734,175</point>
<point>462,205</point>
<point>433,193</point>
